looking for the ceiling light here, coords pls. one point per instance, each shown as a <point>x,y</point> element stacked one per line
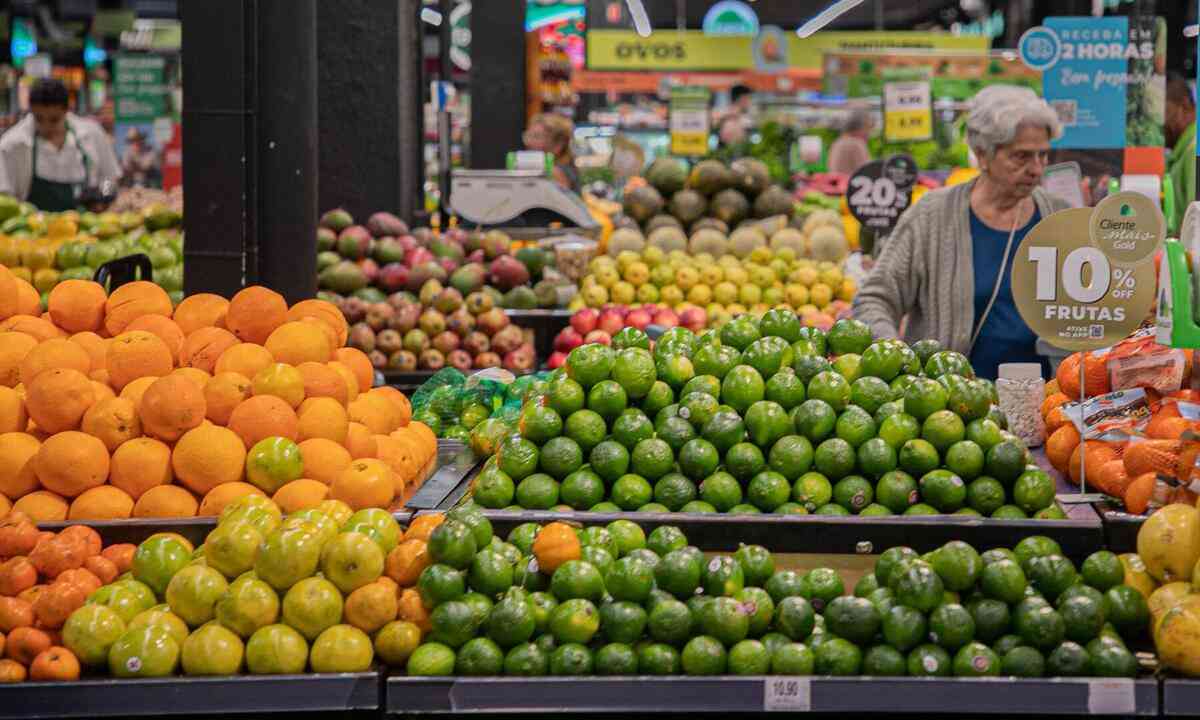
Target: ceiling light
<point>826,16</point>
<point>641,21</point>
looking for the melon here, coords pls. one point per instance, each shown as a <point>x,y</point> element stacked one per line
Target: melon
<point>828,243</point>
<point>710,222</point>
<point>774,201</point>
<point>626,239</point>
<point>662,221</point>
<point>729,206</point>
<point>819,218</point>
<point>750,175</point>
<point>667,175</point>
<point>688,206</point>
<point>708,240</point>
<point>745,240</point>
<point>789,238</point>
<point>668,239</point>
<point>1169,543</point>
<point>643,203</point>
<point>710,177</point>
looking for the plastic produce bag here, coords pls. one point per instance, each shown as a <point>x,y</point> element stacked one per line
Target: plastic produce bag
<point>440,394</point>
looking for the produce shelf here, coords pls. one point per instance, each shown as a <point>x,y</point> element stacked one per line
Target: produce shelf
<point>192,696</point>
<point>1120,528</point>
<point>951,696</point>
<point>457,466</point>
<point>545,324</point>
<point>195,529</point>
<point>1180,697</point>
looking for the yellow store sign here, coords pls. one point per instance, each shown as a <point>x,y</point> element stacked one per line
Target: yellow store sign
<point>907,111</point>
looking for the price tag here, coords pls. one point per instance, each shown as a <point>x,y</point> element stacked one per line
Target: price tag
<point>880,191</point>
<point>787,694</point>
<point>688,120</point>
<point>1084,279</point>
<point>907,111</point>
<point>1111,696</point>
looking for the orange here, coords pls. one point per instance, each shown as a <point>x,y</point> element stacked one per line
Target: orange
<point>204,347</point>
<point>121,555</point>
<point>95,346</point>
<point>5,505</point>
<point>113,421</point>
<point>14,347</point>
<point>13,417</point>
<point>164,328</point>
<point>323,459</point>
<point>1168,428</point>
<point>140,465</point>
<point>102,568</point>
<point>136,390</point>
<point>208,456</point>
<point>398,399</point>
<point>17,477</point>
<point>131,301</point>
<point>166,501</point>
<point>245,359</point>
<point>71,462</point>
<point>375,412</point>
<point>1139,492</point>
<point>423,431</point>
<point>347,376</point>
<point>283,381</point>
<point>220,496</point>
<point>55,353</point>
<point>171,406</point>
<point>359,364</point>
<point>88,536</point>
<point>42,506</point>
<point>196,375</point>
<point>331,337</point>
<point>323,417</point>
<point>137,354</point>
<point>360,441</point>
<point>371,606</point>
<point>57,399</point>
<point>1110,479</point>
<point>555,544</point>
<point>399,458</point>
<point>29,301</point>
<point>300,495</point>
<point>298,342</point>
<point>407,560</point>
<point>15,613</point>
<point>26,643</point>
<point>101,503</point>
<point>77,305</point>
<point>410,609</point>
<point>56,664</point>
<point>263,416</point>
<point>224,392</point>
<point>1059,446</point>
<point>1098,453</point>
<point>1052,401</point>
<point>321,380</point>
<point>9,298</point>
<point>327,313</point>
<point>422,525</point>
<point>254,313</point>
<point>1095,375</point>
<point>366,483</point>
<point>200,310</point>
<point>102,390</point>
<point>17,575</point>
<point>38,328</point>
<point>55,605</point>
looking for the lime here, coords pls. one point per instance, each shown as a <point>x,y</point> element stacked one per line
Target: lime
<point>951,626</point>
<point>673,491</point>
<point>479,657</point>
<point>970,399</point>
<point>1083,617</point>
<point>622,622</point>
<point>1003,580</point>
<point>780,323</point>
<point>870,393</point>
<point>1039,625</point>
<point>918,457</point>
<point>707,384</point>
<point>1005,461</point>
<point>627,535</point>
<point>698,458</point>
<point>664,539</point>
<point>985,433</point>
<point>834,458</point>
<point>957,564</point>
<point>675,370</point>
<point>742,387</point>
<point>454,623</point>
<point>1050,575</point>
<point>679,573</point>
<point>703,655</point>
<point>917,586</point>
<point>574,620</point>
<point>561,456</point>
<point>791,508</point>
<point>1111,660</point>
<point>581,489</point>
<point>853,493</point>
<point>791,456</point>
<point>714,360</point>
<point>757,564</point>
<point>985,495</point>
<point>923,397</point>
<point>586,428</point>
<point>991,618</point>
<point>607,399</point>
<point>948,362</point>
<point>537,492</point>
<point>724,430</point>
<point>792,659</point>
<point>538,423</point>
<point>674,431</point>
<point>1009,512</point>
<point>698,408</point>
<point>616,658</point>
<point>786,388</point>
<point>511,622</point>
<point>493,489</point>
<point>768,490</point>
<point>807,367</point>
<point>633,369</point>
<point>1033,491</point>
<point>744,460</point>
<point>812,490</point>
<point>517,458</point>
<point>1053,512</point>
<point>848,336</point>
<point>837,656</point>
<point>651,459</point>
<point>1035,546</point>
<point>660,396</point>
<point>1102,570</point>
<point>886,410</point>
<point>589,364</point>
<point>814,419</point>
<point>831,387</point>
<point>740,332</point>
<point>822,585</point>
<point>1023,662</point>
<point>897,491</point>
<point>784,583</point>
<point>929,661</point>
<point>491,573</point>
<point>744,509</point>
<point>527,660</point>
<point>571,659</point>
<point>1069,659</point>
<point>921,509</point>
<point>903,627</point>
<point>1007,642</point>
<point>976,660</point>
<point>431,659</point>
<point>609,460</point>
<point>875,509</point>
<point>452,543</point>
<point>522,536</point>
<point>630,492</point>
<point>658,659</point>
<point>794,617</point>
<point>722,575</point>
<point>1127,609</point>
<point>766,422</point>
<point>632,427</point>
<point>852,618</point>
<point>630,337</point>
<point>943,490</point>
<point>943,429</point>
<point>725,619</point>
<point>876,458</point>
<point>767,355</point>
<point>855,426</point>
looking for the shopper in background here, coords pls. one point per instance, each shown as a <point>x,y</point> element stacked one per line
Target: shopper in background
<point>1181,138</point>
<point>947,264</point>
<point>731,131</point>
<point>552,133</point>
<point>52,157</point>
<point>140,163</point>
<point>850,151</point>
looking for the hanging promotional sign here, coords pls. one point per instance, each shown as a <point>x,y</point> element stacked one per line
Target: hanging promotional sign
<point>689,121</point>
<point>143,123</point>
<point>907,111</point>
<point>880,191</point>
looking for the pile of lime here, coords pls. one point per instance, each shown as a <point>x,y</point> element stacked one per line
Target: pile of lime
<point>453,411</point>
<point>764,415</point>
<point>621,602</point>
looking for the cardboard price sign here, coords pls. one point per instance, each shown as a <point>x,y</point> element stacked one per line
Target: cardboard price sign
<point>880,191</point>
<point>907,111</point>
<point>1084,279</point>
<point>689,120</point>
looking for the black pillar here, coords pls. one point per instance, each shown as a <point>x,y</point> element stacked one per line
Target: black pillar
<point>497,80</point>
<point>250,146</point>
<point>370,106</point>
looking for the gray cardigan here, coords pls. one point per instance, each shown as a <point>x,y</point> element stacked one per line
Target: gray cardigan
<point>925,271</point>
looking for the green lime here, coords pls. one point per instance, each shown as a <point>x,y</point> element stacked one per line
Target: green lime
<point>785,583</point>
<point>658,659</point>
<point>781,323</point>
<point>600,537</point>
<point>876,458</point>
<point>491,573</point>
<point>951,626</point>
<point>577,579</point>
<point>1050,575</point>
<point>586,428</point>
<point>882,360</point>
<point>722,491</point>
<point>722,575</point>
<point>830,387</point>
<point>965,459</point>
<point>985,433</point>
<point>1023,661</point>
<point>454,623</point>
<point>633,369</point>
<point>632,427</point>
<point>616,659</point>
<point>452,543</point>
<point>742,387</point>
<point>807,367</point>
<point>918,457</point>
<point>848,336</point>
<point>943,490</point>
<point>822,585</point>
<point>837,656</point>
<point>440,583</point>
<point>943,429</point>
<point>888,409</point>
<point>660,396</point>
<point>1069,659</point>
<point>522,536</point>
<point>698,408</point>
<point>853,492</point>
<point>571,659</point>
<point>1083,616</point>
<point>1111,660</point>
<point>715,360</point>
<point>1005,461</point>
<point>812,489</point>
<point>889,561</point>
<point>794,617</point>
<point>431,659</point>
<point>526,660</point>
<point>749,657</point>
<point>651,458</point>
<point>768,490</point>
<point>897,491</point>
<point>581,489</point>
<point>493,489</point>
<point>1102,570</point>
<point>791,456</point>
<point>1033,491</point>
<point>792,659</point>
<point>976,660</point>
<point>923,397</point>
<point>985,495</point>
<point>903,627</point>
<point>670,622</point>
<point>744,509</point>
<point>725,619</point>
<point>791,508</point>
<point>724,430</point>
<point>921,509</point>
<point>511,622</point>
<point>929,661</point>
<point>957,564</point>
<point>1035,546</point>
<point>786,388</point>
<point>627,535</point>
<point>883,661</point>
<point>589,364</point>
<point>679,573</point>
<point>607,399</point>
<point>622,621</point>
<point>852,618</point>
<point>991,618</point>
<point>674,369</point>
<point>834,458</point>
<point>701,383</point>
<point>740,332</point>
<point>665,538</point>
<point>1127,610</point>
<point>1005,643</point>
<point>875,509</point>
<point>537,492</point>
<point>744,460</point>
<point>767,355</point>
<point>517,458</point>
<point>674,431</point>
<point>698,459</point>
<point>1003,580</point>
<point>703,655</point>
<point>814,419</point>
<point>479,657</point>
<point>1053,512</point>
<point>630,492</point>
<point>629,337</point>
<point>917,586</point>
<point>1038,624</point>
<point>561,456</point>
<point>673,491</point>
<point>574,620</point>
<point>870,393</point>
<point>766,422</point>
<point>1009,512</point>
<point>855,426</point>
<point>757,564</point>
<point>538,423</point>
<point>609,460</point>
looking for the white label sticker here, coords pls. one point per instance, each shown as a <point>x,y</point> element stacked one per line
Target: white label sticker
<point>792,694</point>
<point>1111,696</point>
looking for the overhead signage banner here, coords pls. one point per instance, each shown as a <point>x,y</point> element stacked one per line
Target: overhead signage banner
<point>668,50</point>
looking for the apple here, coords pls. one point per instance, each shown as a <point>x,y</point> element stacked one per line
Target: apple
<point>287,556</point>
<point>584,321</point>
<point>568,340</point>
<point>666,318</point>
<point>694,319</point>
<point>639,319</point>
<point>556,359</point>
<point>598,336</point>
<point>611,321</point>
<point>351,560</point>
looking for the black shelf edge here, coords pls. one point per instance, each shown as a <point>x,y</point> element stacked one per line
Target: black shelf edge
<point>1120,528</point>
<point>457,466</point>
<point>958,696</point>
<point>136,530</point>
<point>192,696</point>
<point>1180,697</point>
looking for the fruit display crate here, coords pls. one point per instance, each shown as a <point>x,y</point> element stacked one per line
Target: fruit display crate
<point>457,466</point>
<point>1120,528</point>
<point>951,696</point>
<point>236,695</point>
<point>1180,697</point>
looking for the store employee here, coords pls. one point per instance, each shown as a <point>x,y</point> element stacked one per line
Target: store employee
<point>52,156</point>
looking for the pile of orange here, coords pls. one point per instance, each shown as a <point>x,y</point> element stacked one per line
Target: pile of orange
<point>118,406</point>
<point>44,577</point>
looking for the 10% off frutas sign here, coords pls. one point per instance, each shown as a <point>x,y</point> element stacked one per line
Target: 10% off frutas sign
<point>1084,279</point>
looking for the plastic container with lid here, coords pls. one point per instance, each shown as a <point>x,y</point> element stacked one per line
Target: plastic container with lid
<point>1021,390</point>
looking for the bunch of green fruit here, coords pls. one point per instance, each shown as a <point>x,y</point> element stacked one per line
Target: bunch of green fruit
<point>766,416</point>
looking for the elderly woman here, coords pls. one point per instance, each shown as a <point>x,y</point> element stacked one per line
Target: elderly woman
<point>947,263</point>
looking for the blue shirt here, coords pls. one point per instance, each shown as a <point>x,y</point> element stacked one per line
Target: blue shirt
<point>1005,337</point>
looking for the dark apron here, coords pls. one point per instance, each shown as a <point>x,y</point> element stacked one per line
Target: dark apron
<point>54,196</point>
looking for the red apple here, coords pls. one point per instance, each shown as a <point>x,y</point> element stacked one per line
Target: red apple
<point>584,321</point>
<point>568,340</point>
<point>639,319</point>
<point>556,360</point>
<point>694,319</point>
<point>417,256</point>
<point>393,277</point>
<point>598,336</point>
<point>611,321</point>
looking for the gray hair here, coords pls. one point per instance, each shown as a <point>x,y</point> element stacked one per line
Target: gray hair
<point>998,111</point>
<point>859,119</point>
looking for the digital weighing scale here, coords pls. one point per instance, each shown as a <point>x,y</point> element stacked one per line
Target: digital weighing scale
<point>522,203</point>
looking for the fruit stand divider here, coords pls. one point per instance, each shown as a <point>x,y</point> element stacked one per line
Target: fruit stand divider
<point>545,324</point>
<point>1120,530</point>
<point>960,696</point>
<point>231,696</point>
<point>1180,697</point>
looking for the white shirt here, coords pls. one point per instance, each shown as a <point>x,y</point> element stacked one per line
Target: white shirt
<point>56,164</point>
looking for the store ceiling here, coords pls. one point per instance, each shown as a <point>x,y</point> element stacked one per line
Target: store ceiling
<point>785,13</point>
